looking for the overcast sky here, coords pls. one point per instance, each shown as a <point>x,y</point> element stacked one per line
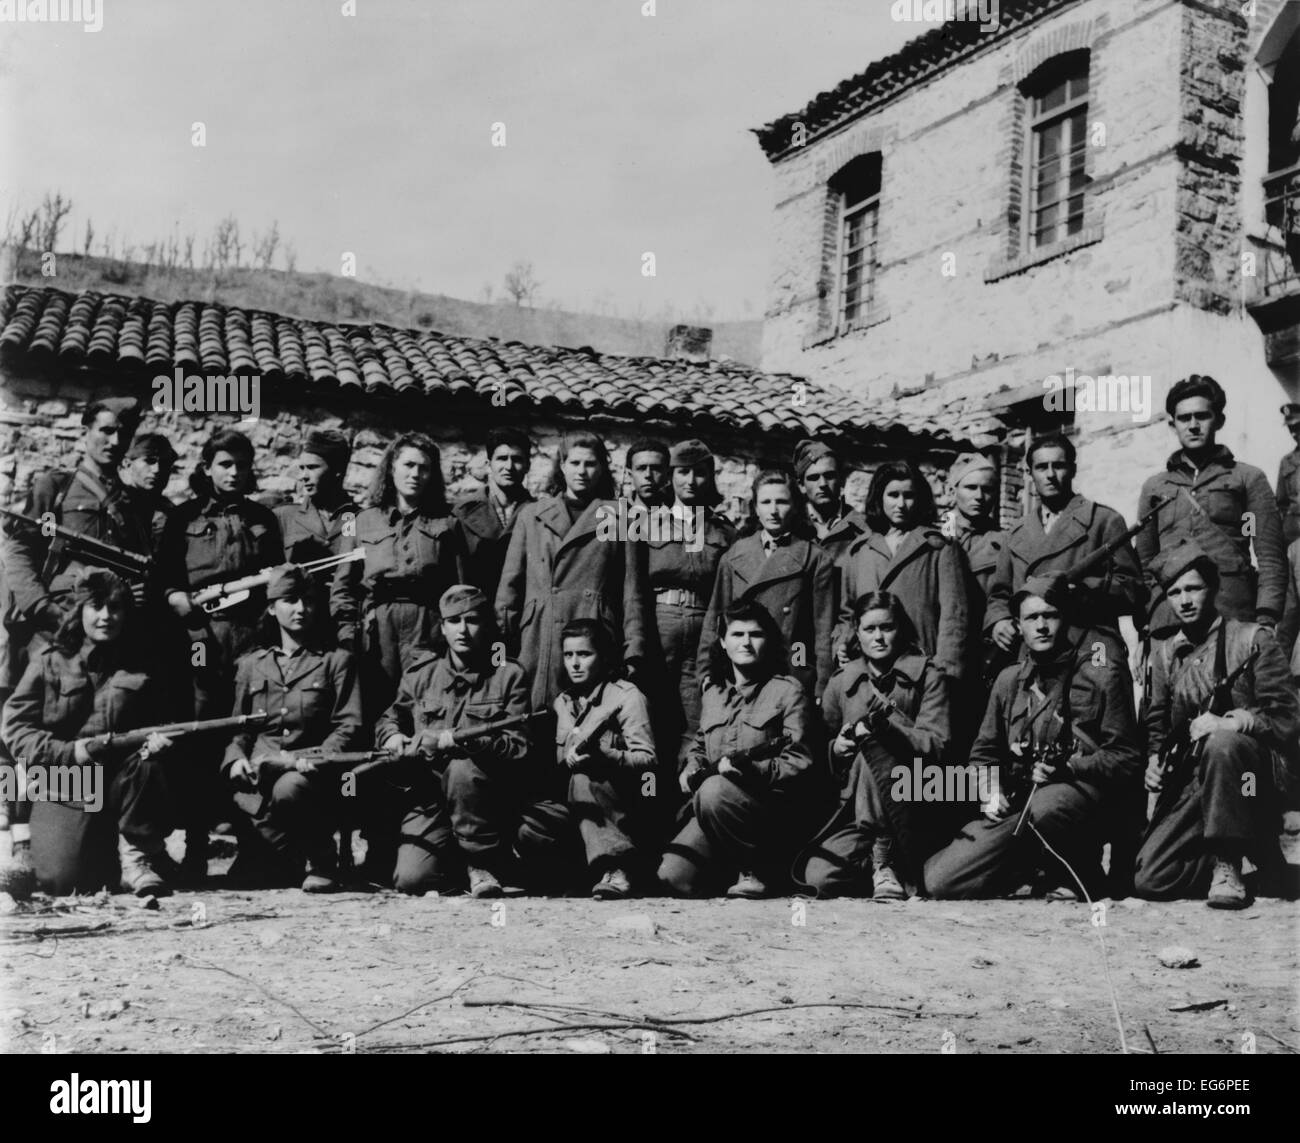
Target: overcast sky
<point>372,133</point>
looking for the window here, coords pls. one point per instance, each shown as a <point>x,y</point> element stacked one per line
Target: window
<point>1058,145</point>
<point>858,186</point>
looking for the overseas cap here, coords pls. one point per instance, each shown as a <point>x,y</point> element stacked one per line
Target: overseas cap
<point>461,599</point>
<point>288,582</point>
<point>331,446</point>
<point>967,463</point>
<point>687,454</point>
<point>808,453</point>
<point>1182,557</point>
<point>1049,588</point>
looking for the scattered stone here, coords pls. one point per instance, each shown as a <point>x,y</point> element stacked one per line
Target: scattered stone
<point>275,1032</point>
<point>981,962</point>
<point>1176,956</point>
<point>103,1009</point>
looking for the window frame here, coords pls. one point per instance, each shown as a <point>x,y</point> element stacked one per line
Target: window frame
<point>865,172</point>
<point>1061,71</point>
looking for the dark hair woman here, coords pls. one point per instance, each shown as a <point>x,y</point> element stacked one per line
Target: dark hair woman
<point>569,558</point>
<point>745,817</point>
<point>883,710</point>
<point>788,574</point>
<point>86,683</point>
<point>219,536</point>
<point>606,770</point>
<point>907,554</point>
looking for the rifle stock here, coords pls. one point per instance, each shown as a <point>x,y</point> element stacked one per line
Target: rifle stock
<point>221,596</point>
<point>131,739</point>
<point>418,752</point>
<point>116,559</point>
<point>742,759</point>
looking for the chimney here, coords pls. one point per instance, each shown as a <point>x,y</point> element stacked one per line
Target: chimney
<point>689,343</point>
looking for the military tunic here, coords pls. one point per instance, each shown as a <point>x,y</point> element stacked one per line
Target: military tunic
<point>313,532</point>
<point>487,540</point>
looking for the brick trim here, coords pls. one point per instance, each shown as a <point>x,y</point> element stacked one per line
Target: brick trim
<point>1050,43</point>
<point>1006,267</point>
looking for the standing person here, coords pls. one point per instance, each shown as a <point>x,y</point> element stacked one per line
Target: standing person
<point>386,606</point>
<point>221,535</point>
<point>1224,505</point>
<point>743,823</point>
<point>471,806</point>
<point>310,691</point>
<point>907,555</point>
<point>835,525</point>
<point>1288,479</point>
<point>145,473</point>
<point>648,464</point>
<point>90,680</point>
<point>1062,531</point>
<point>487,523</point>
<point>887,708</point>
<point>39,572</point>
<point>1220,805</point>
<point>558,568</point>
<point>791,577</point>
<point>314,529</point>
<point>608,793</point>
<point>1061,739</point>
<point>681,568</point>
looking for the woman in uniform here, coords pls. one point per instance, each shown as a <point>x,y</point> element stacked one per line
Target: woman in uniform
<point>885,709</point>
<point>219,536</point>
<point>746,816</point>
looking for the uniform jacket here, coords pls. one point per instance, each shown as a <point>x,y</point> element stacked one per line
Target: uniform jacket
<point>312,534</point>
<point>486,541</point>
<point>929,574</point>
<point>913,686</point>
<point>555,572</point>
<point>983,550</point>
<point>434,695</point>
<point>312,697</point>
<point>844,533</point>
<point>414,557</point>
<point>212,541</point>
<point>739,717</point>
<point>82,502</point>
<point>1288,496</point>
<point>1182,676</point>
<point>1101,706</point>
<point>631,741</point>
<point>1081,529</point>
<point>1212,507</point>
<point>1288,631</point>
<point>669,564</point>
<point>797,586</point>
<point>62,698</point>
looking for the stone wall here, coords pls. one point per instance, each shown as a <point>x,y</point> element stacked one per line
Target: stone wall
<point>40,429</point>
<point>964,314</point>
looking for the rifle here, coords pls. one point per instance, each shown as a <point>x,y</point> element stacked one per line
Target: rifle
<point>460,735</point>
<point>608,721</point>
<point>997,660</point>
<point>87,548</point>
<point>335,760</point>
<point>1180,754</point>
<point>134,739</point>
<point>220,596</point>
<point>741,759</point>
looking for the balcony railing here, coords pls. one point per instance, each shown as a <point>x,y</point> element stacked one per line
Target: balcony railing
<point>1281,269</point>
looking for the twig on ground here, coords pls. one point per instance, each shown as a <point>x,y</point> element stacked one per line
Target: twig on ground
<point>1147,1032</point>
<point>416,1008</point>
<point>263,990</point>
<point>1288,1047</point>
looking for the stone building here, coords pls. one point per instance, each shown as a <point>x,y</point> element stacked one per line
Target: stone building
<point>1093,191</point>
<point>58,350</point>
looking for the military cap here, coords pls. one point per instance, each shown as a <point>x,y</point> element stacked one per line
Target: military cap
<point>687,454</point>
<point>808,453</point>
<point>1172,562</point>
<point>152,445</point>
<point>288,582</point>
<point>461,599</point>
<point>96,584</point>
<point>1049,588</point>
<point>966,463</point>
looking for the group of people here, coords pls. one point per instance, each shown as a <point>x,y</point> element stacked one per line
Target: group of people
<point>512,695</point>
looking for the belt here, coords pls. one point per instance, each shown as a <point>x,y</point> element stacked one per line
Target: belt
<point>385,591</point>
<point>680,597</point>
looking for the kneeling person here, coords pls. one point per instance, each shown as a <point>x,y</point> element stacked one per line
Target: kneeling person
<point>293,804</point>
<point>1223,712</point>
<point>1060,736</point>
<point>603,738</point>
<point>749,767</point>
<point>462,805</point>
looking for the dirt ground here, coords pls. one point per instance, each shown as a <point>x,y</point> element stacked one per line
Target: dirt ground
<point>279,971</point>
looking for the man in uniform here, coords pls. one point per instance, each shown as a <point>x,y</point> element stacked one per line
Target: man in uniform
<point>314,529</point>
<point>1288,479</point>
<point>474,803</point>
<point>145,474</point>
<point>835,525</point>
<point>487,522</point>
<point>1062,531</point>
<point>647,463</point>
<point>1226,506</point>
<point>1061,737</point>
<point>1217,790</point>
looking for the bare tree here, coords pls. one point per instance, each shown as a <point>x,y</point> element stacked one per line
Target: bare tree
<point>54,212</point>
<point>189,251</point>
<point>264,248</point>
<point>522,284</point>
<point>224,247</point>
<point>290,252</point>
<point>90,237</point>
<point>28,228</point>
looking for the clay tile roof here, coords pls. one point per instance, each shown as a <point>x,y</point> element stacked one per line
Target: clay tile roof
<point>919,59</point>
<point>136,336</point>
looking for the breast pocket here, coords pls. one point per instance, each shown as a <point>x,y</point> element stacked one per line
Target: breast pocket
<point>310,701</point>
<point>717,737</point>
<point>259,698</point>
<point>68,701</point>
<point>478,713</point>
<point>758,726</point>
<point>381,552</point>
<point>431,714</point>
